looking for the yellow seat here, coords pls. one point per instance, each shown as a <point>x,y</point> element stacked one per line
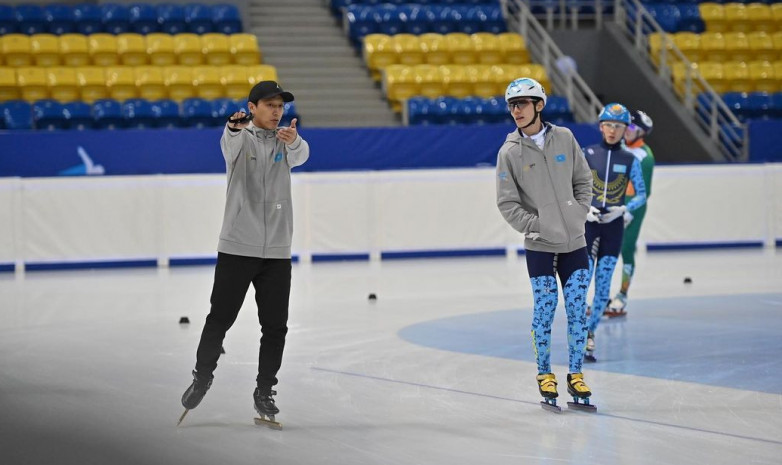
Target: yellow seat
<point>713,47</point>
<point>737,77</point>
<point>160,49</point>
<point>121,82</point>
<point>103,49</point>
<point>434,48</point>
<point>92,83</point>
<point>456,81</point>
<point>244,49</point>
<point>207,82</point>
<point>63,84</point>
<point>460,47</point>
<point>536,72</point>
<point>150,83</point>
<point>16,50</point>
<point>258,73</point>
<point>234,81</point>
<point>430,80</point>
<point>776,15</point>
<point>400,84</point>
<point>714,73</point>
<point>656,43</point>
<point>713,15</point>
<point>737,18</point>
<point>216,48</point>
<point>9,90</point>
<point>679,75</point>
<point>408,49</point>
<point>179,82</point>
<point>737,46</point>
<point>45,49</point>
<point>187,48</point>
<point>776,39</point>
<point>501,75</point>
<point>777,65</point>
<point>760,17</point>
<point>514,49</point>
<point>132,49</point>
<point>487,48</point>
<point>74,50</point>
<point>762,75</point>
<point>32,83</point>
<point>761,46</point>
<point>690,45</point>
<point>378,52</point>
<point>481,79</point>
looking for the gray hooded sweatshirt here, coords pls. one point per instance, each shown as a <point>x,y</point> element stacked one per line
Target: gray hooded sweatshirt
<point>258,219</point>
<point>546,191</point>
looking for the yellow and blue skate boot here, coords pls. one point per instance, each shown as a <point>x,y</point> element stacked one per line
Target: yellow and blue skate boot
<point>547,385</point>
<point>577,388</point>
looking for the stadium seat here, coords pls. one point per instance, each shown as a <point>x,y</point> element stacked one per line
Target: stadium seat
<point>429,80</point>
<point>456,81</point>
<point>8,86</point>
<point>399,84</point>
<point>107,114</point>
<point>415,19</point>
<point>187,48</point>
<point>501,75</point>
<point>143,18</point>
<point>244,49</point>
<point>60,18</point>
<point>690,18</point>
<point>446,19</point>
<point>776,15</point>
<point>407,49</point>
<point>481,78</point>
<point>487,48</point>
<point>288,113</point>
<point>32,83</point>
<point>737,46</point>
<point>17,114</point>
<point>207,82</point>
<point>226,19</point>
<point>87,18</point>
<point>16,50</point>
<point>234,81</point>
<point>115,17</point>
<point>713,47</point>
<point>776,39</point>
<point>514,49</point>
<point>179,82</point>
<point>737,77</point>
<point>496,110</point>
<point>714,74</point>
<point>679,75</point>
<point>776,105</point>
<point>121,82</point>
<point>762,75</point>
<point>78,115</point>
<point>360,21</point>
<point>132,49</point>
<point>92,83</point>
<point>45,49</point>
<point>690,45</point>
<point>443,109</point>
<point>470,111</point>
<point>30,19</point>
<point>8,24</point>
<point>667,16</point>
<point>778,73</point>
<point>536,72</point>
<point>736,17</point>
<point>434,48</point>
<point>138,113</point>
<point>197,112</point>
<point>657,42</point>
<point>258,73</point>
<point>761,46</point>
<point>760,18</point>
<point>222,108</point>
<point>74,50</point>
<point>557,110</point>
<point>172,18</point>
<point>166,113</point>
<point>460,46</point>
<point>418,111</point>
<point>150,83</point>
<point>103,49</point>
<point>63,84</point>
<point>49,114</point>
<point>760,105</point>
<point>713,14</point>
<point>378,52</point>
<point>738,102</point>
<point>390,20</point>
<point>198,18</point>
<point>495,22</point>
<point>216,49</point>
<point>160,49</point>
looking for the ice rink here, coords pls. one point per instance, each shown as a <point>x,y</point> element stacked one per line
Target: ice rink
<point>439,370</point>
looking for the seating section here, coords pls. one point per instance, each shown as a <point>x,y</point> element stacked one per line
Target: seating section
<point>475,110</point>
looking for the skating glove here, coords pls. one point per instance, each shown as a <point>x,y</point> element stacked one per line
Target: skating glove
<point>613,213</point>
<point>628,218</point>
<point>593,215</point>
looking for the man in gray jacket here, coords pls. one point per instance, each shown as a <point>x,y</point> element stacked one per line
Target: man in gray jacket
<point>544,190</point>
<point>255,241</point>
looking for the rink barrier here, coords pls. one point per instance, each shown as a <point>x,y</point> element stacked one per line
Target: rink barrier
<point>89,265</point>
<point>453,253</point>
<point>705,246</point>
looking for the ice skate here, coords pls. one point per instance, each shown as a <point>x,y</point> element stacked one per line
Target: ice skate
<point>195,393</point>
<point>580,392</point>
<point>589,355</point>
<point>547,385</point>
<point>617,306</point>
<point>264,405</point>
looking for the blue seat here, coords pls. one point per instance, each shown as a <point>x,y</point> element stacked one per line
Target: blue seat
<point>667,15</point>
<point>759,105</point>
<point>60,19</point>
<point>197,112</point>
<point>17,114</point>
<point>226,18</point>
<point>138,113</point>
<point>738,102</point>
<point>415,19</point>
<point>78,115</point>
<point>143,18</point>
<point>30,19</point>
<point>557,110</point>
<point>441,109</point>
<point>223,108</point>
<point>107,114</point>
<point>496,110</point>
<point>690,18</point>
<point>172,18</point>
<point>8,23</point>
<point>495,23</point>
<point>241,104</point>
<point>391,21</point>
<point>418,111</point>
<point>49,114</point>
<point>361,20</point>
<point>447,19</point>
<point>775,111</point>
<point>87,17</point>
<point>115,17</point>
<point>289,113</point>
<point>198,18</point>
<point>166,113</point>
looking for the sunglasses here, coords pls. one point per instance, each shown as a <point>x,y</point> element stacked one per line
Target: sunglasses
<point>518,104</point>
<point>610,125</point>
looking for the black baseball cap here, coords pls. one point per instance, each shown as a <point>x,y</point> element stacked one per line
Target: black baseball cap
<point>268,89</point>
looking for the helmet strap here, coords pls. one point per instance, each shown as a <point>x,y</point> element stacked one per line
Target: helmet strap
<point>537,114</point>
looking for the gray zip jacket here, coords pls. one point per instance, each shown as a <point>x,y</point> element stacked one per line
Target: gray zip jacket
<point>547,191</point>
<point>258,219</point>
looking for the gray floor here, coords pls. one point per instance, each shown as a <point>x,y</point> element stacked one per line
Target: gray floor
<point>438,371</point>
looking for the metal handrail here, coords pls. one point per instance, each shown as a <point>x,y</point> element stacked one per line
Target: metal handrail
<point>583,102</point>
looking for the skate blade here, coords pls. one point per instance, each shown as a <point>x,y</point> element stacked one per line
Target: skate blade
<point>612,315</point>
<point>268,422</point>
<point>550,407</point>
<point>583,407</point>
<point>182,417</point>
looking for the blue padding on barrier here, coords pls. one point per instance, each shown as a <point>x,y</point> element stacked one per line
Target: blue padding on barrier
<point>195,261</point>
<point>6,267</point>
<point>765,138</point>
<point>779,243</point>
<point>194,150</point>
<point>705,246</point>
<point>51,266</point>
<point>338,257</point>
<point>442,253</point>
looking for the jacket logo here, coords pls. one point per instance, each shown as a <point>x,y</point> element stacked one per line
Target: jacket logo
<point>250,156</point>
<point>503,176</point>
<point>528,167</point>
<point>560,158</point>
<point>620,169</point>
<point>278,157</point>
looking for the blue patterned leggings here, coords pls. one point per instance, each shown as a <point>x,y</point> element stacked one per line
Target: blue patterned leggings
<point>604,242</point>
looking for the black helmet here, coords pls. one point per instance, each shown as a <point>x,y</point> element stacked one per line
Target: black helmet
<point>642,120</point>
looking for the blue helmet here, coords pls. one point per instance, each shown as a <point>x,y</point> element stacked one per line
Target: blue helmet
<point>615,112</point>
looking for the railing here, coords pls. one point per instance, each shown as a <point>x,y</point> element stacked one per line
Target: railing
<point>565,79</point>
